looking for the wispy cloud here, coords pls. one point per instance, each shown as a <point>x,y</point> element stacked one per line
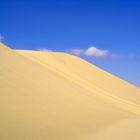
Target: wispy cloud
<point>125,56</point>
<point>44,49</point>
<point>1,38</point>
<point>91,52</point>
<point>76,52</point>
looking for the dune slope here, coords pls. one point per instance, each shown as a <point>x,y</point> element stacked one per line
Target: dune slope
<point>56,96</point>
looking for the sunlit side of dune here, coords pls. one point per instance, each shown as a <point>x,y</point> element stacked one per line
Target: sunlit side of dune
<point>56,96</point>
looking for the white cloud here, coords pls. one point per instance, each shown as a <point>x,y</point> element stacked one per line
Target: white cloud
<point>1,38</point>
<point>95,52</point>
<point>91,51</point>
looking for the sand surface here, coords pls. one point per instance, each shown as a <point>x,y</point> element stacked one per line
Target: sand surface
<point>57,96</point>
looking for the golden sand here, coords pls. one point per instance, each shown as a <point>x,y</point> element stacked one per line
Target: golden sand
<point>57,96</point>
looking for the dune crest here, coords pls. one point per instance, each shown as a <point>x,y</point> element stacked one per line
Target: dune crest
<point>57,96</point>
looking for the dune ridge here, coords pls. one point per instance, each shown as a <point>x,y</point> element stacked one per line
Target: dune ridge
<point>64,71</point>
<point>56,96</point>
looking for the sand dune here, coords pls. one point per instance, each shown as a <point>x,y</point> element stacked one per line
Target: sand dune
<point>57,96</point>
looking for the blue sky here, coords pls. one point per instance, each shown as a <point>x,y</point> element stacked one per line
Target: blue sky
<point>66,25</point>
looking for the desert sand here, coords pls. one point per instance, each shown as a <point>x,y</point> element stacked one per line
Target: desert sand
<point>57,96</point>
